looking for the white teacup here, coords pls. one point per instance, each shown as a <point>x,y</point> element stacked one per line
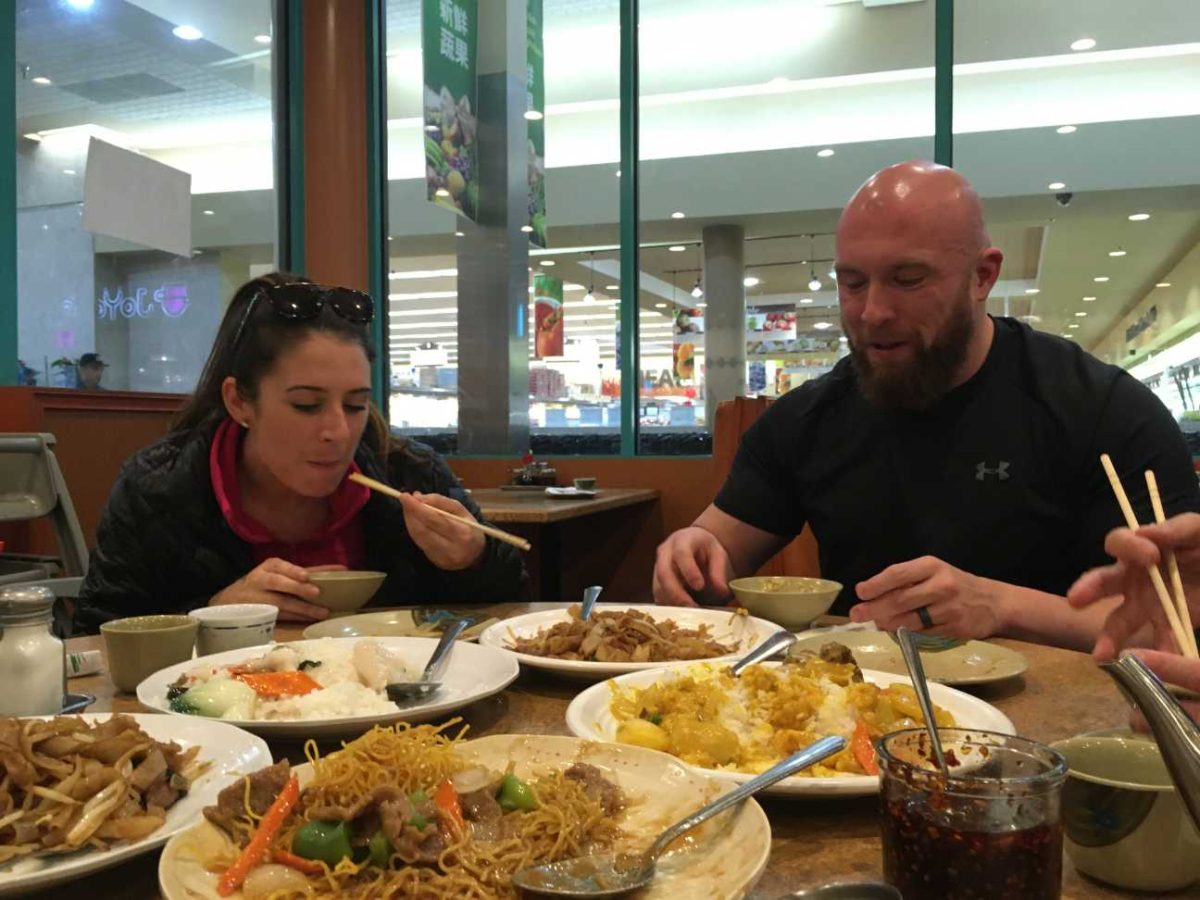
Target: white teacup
<point>231,626</point>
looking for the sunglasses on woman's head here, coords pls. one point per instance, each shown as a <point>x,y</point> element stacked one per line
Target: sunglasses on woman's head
<point>301,301</point>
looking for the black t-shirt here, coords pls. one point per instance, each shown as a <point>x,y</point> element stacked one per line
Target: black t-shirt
<point>1001,479</point>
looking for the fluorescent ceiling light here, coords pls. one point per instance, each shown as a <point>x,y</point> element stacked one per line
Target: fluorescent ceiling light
<point>1066,129</point>
<point>187,32</point>
<point>433,311</point>
<point>547,262</point>
<point>262,39</point>
<point>1032,290</point>
<point>806,299</point>
<point>525,228</point>
<point>68,171</point>
<point>751,281</point>
<point>1073,325</point>
<point>1056,185</point>
<point>826,153</point>
<point>422,273</point>
<point>1088,299</point>
<point>425,295</point>
<point>1080,314</point>
<point>533,115</point>
<point>1100,279</point>
<point>441,192</point>
<point>1163,284</point>
<point>822,326</point>
<point>209,212</point>
<point>678,215</point>
<point>41,79</point>
<point>1086,43</point>
<point>1116,252</point>
<point>677,248</point>
<point>456,234</point>
<point>1139,217</point>
<point>612,287</point>
<point>660,306</point>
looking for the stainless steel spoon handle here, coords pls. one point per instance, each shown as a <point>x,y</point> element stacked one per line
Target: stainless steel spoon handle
<point>912,658</point>
<point>441,653</point>
<point>799,760</point>
<point>590,596</point>
<point>767,648</point>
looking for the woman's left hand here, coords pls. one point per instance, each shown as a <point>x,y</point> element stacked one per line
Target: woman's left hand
<point>447,544</point>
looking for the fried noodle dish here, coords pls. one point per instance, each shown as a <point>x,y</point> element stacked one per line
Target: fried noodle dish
<point>708,718</point>
<point>68,784</point>
<point>396,813</point>
<point>620,636</point>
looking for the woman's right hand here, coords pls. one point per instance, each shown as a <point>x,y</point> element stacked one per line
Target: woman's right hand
<point>281,584</point>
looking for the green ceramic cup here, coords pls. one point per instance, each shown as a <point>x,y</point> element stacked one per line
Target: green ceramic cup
<point>1124,822</point>
<point>139,646</point>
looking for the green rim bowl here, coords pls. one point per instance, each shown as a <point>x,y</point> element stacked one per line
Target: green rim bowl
<point>787,600</point>
<point>346,591</point>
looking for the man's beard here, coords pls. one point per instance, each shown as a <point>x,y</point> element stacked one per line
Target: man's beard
<point>920,382</point>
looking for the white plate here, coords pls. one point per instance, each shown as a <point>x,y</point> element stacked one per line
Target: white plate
<point>473,673</point>
<point>231,752</point>
<point>589,716</point>
<point>743,632</point>
<point>566,493</point>
<point>722,860</point>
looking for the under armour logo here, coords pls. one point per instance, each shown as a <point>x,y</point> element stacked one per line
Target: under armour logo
<point>1001,471</point>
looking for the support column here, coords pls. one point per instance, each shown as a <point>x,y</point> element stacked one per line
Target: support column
<point>724,317</point>
<point>493,254</point>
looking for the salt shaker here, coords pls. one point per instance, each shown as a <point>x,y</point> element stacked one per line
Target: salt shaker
<point>32,668</point>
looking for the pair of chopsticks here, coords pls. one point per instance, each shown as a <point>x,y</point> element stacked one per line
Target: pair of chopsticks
<point>1176,610</point>
<point>469,521</point>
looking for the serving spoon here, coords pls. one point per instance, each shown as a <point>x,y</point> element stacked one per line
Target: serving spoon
<point>407,691</point>
<point>766,649</point>
<point>909,642</point>
<point>590,596</point>
<point>615,873</point>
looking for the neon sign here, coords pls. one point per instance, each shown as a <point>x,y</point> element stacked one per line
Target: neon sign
<point>171,299</point>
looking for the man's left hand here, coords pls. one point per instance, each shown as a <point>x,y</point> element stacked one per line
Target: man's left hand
<point>958,603</point>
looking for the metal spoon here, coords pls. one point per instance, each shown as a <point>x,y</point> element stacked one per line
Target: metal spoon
<point>610,874</point>
<point>406,691</point>
<point>916,671</point>
<point>590,596</point>
<point>767,648</point>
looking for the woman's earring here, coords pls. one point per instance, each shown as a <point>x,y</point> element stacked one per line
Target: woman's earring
<point>245,425</point>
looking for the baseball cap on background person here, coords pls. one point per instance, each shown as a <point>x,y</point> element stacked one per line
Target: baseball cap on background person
<point>92,359</point>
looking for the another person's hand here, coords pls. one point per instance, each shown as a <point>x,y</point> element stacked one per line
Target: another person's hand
<point>281,584</point>
<point>447,544</point>
<point>958,603</point>
<point>686,563</point>
<point>1172,669</point>
<point>1135,552</point>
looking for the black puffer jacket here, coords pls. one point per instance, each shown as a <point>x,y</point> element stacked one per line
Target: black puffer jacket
<point>163,545</point>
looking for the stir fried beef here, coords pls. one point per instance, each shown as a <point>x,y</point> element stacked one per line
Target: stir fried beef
<point>597,787</point>
<point>265,785</point>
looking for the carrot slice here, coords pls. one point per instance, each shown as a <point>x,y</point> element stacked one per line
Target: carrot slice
<point>273,685</point>
<point>260,842</point>
<point>299,863</point>
<point>863,749</point>
<point>446,799</point>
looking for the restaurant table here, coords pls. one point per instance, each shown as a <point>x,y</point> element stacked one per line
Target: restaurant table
<point>813,841</point>
<point>576,541</point>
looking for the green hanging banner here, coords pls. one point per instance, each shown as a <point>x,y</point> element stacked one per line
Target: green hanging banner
<point>535,114</point>
<point>449,29</point>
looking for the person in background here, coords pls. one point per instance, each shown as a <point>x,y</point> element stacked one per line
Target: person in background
<point>1139,618</point>
<point>949,466</point>
<point>249,492</point>
<point>90,369</point>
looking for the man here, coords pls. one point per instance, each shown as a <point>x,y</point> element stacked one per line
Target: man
<point>949,467</point>
<point>91,369</point>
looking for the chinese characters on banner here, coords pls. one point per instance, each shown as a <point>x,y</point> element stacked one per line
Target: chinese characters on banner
<point>448,32</point>
<point>535,111</point>
<point>547,316</point>
<point>688,330</point>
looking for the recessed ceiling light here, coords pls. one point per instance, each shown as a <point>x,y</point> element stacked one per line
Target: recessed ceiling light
<point>677,248</point>
<point>1088,299</point>
<point>1163,284</point>
<point>612,287</point>
<point>806,299</point>
<point>68,171</point>
<point>1056,185</point>
<point>41,79</point>
<point>1066,129</point>
<point>209,212</point>
<point>826,153</point>
<point>678,215</point>
<point>751,281</point>
<point>821,326</point>
<point>1100,279</point>
<point>1116,252</point>
<point>1139,217</point>
<point>456,234</point>
<point>1033,290</point>
<point>1083,44</point>
<point>187,32</point>
<point>1080,314</point>
<point>547,262</point>
<point>533,115</point>
<point>527,228</point>
<point>262,39</point>
<point>1073,325</point>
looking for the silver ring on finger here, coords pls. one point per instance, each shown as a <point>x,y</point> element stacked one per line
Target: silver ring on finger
<point>923,614</point>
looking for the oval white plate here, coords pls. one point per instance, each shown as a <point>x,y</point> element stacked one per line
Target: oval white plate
<point>589,716</point>
<point>723,859</point>
<point>231,752</point>
<point>473,673</point>
<point>745,632</point>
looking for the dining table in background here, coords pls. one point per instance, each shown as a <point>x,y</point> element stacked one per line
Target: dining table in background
<point>577,541</point>
<point>813,841</point>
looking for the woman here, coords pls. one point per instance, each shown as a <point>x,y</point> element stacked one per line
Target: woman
<point>249,492</point>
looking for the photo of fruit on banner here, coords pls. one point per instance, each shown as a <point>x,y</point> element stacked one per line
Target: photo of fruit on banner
<point>684,355</point>
<point>547,316</point>
<point>450,104</point>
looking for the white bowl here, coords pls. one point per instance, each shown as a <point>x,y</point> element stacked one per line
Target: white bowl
<point>231,626</point>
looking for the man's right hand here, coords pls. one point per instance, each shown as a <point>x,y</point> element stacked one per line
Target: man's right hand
<point>280,584</point>
<point>687,562</point>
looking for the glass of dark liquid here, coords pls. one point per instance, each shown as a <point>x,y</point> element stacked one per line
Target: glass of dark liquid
<point>992,830</point>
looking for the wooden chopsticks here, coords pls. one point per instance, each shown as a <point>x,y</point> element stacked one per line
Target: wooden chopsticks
<point>469,521</point>
<point>1176,610</point>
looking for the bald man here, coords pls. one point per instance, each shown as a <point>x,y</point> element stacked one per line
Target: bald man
<point>949,467</point>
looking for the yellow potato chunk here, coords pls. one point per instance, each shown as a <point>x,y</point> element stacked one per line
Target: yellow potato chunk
<point>643,734</point>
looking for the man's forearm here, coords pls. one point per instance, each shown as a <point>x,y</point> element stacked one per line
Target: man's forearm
<point>1030,615</point>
